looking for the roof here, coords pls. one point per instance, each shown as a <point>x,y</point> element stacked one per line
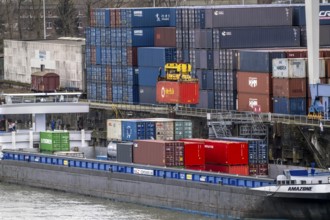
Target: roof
<point>66,41</point>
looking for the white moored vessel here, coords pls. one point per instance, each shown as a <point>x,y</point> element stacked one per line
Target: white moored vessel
<point>304,184</point>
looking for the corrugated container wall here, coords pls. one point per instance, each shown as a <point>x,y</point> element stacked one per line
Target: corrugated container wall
<point>125,152</point>
<point>158,153</point>
<point>289,68</point>
<point>45,82</point>
<point>231,169</point>
<point>258,37</point>
<point>289,87</point>
<point>177,92</point>
<point>294,106</point>
<point>251,82</point>
<point>300,15</point>
<point>114,130</point>
<point>247,101</point>
<point>248,16</point>
<point>165,37</point>
<point>194,154</point>
<point>156,56</point>
<point>257,60</point>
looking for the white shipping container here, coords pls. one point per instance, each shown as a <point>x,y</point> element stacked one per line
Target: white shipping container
<point>289,68</point>
<point>114,132</point>
<point>164,130</point>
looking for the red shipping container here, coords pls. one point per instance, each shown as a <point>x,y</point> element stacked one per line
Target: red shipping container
<point>226,152</point>
<point>231,169</point>
<point>165,37</point>
<point>200,167</point>
<point>199,140</point>
<point>258,169</point>
<point>45,81</point>
<point>247,101</point>
<point>177,92</point>
<point>296,53</point>
<point>251,82</point>
<point>289,87</point>
<point>194,154</point>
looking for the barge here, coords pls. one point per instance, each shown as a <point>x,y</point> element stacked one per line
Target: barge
<point>215,194</point>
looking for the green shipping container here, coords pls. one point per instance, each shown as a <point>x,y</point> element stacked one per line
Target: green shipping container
<point>54,141</point>
<point>182,129</point>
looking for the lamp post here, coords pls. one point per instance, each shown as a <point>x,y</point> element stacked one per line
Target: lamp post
<point>44,9</point>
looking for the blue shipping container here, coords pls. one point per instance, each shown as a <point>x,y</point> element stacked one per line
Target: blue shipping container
<point>153,17</point>
<point>140,37</point>
<point>156,56</point>
<point>292,106</point>
<point>299,15</point>
<point>148,76</point>
<point>133,130</point>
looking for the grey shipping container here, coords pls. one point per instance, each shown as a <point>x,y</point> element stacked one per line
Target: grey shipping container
<point>147,94</point>
<point>204,59</point>
<point>324,36</point>
<point>206,99</point>
<point>258,37</point>
<point>203,38</point>
<point>125,152</point>
<point>249,16</point>
<point>257,60</point>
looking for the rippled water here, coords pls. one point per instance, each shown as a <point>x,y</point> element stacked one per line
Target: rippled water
<point>22,202</point>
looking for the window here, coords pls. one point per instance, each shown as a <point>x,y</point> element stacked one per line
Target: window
<point>303,182</point>
<point>49,25</point>
<point>320,181</point>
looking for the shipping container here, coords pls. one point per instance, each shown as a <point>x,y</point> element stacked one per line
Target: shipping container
<point>148,76</point>
<point>45,81</point>
<point>133,130</point>
<point>259,37</point>
<point>194,154</point>
<point>158,153</point>
<point>225,59</point>
<point>243,16</point>
<point>198,167</point>
<point>254,82</point>
<point>177,92</point>
<point>151,17</point>
<point>226,152</point>
<point>164,129</point>
<point>203,38</point>
<point>182,129</point>
<point>231,169</point>
<point>292,106</point>
<point>156,56</point>
<point>258,148</point>
<point>204,59</point>
<point>300,15</point>
<point>295,53</point>
<point>225,99</point>
<point>147,94</point>
<point>52,141</point>
<point>140,37</point>
<point>165,37</point>
<point>114,130</point>
<point>324,36</point>
<point>257,60</point>
<point>206,99</point>
<point>258,169</point>
<point>249,101</point>
<point>125,152</point>
<point>289,87</point>
<point>289,68</point>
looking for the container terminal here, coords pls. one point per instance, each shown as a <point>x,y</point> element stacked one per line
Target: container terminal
<point>242,87</point>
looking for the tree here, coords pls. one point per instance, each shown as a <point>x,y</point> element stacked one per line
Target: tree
<point>67,22</point>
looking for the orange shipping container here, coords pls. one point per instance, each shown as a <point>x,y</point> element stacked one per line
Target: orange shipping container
<point>251,82</point>
<point>289,87</point>
<point>248,101</point>
<point>177,92</point>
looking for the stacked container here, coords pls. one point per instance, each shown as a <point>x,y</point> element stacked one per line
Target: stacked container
<point>148,128</point>
<point>111,50</point>
<point>158,153</point>
<point>225,156</point>
<point>194,155</point>
<point>289,86</point>
<point>151,59</point>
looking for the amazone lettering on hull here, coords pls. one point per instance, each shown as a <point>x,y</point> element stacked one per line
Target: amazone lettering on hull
<point>300,188</point>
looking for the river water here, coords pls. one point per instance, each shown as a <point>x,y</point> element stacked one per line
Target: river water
<point>23,202</point>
